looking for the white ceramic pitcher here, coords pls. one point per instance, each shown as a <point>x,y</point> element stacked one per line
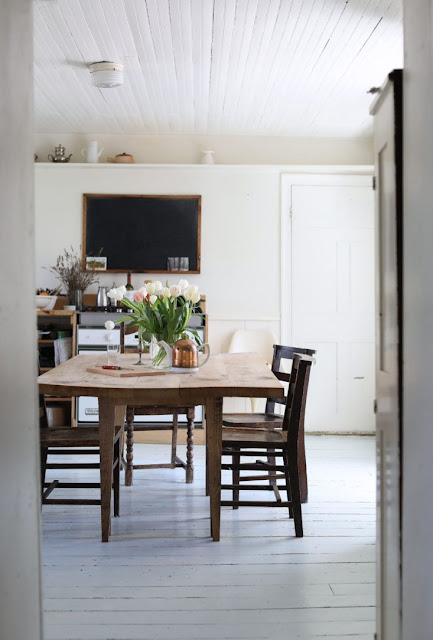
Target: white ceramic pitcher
<point>91,153</point>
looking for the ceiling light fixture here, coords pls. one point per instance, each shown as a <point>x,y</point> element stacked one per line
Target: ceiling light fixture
<point>106,75</point>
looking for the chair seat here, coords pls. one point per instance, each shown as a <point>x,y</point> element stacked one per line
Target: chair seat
<point>72,436</point>
<point>253,420</point>
<point>253,436</point>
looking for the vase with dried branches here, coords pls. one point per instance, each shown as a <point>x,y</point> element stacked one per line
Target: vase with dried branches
<point>72,273</point>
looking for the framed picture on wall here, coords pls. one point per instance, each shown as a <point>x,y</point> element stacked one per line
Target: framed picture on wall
<point>96,263</point>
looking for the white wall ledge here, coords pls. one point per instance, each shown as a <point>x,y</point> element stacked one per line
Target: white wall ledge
<point>270,168</point>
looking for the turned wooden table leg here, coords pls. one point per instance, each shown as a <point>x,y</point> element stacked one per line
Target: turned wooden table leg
<point>107,419</point>
<point>174,437</point>
<point>129,471</point>
<point>190,446</point>
<point>119,421</point>
<point>214,412</point>
<point>206,460</point>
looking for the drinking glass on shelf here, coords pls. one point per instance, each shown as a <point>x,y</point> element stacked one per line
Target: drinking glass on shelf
<point>113,351</point>
<point>173,264</point>
<point>183,264</point>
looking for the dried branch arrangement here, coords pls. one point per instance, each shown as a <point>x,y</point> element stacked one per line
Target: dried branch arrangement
<point>71,271</point>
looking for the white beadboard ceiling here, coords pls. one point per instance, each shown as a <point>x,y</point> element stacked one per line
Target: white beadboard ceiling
<point>252,67</point>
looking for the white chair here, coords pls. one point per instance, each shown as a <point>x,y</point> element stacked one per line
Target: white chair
<point>259,340</point>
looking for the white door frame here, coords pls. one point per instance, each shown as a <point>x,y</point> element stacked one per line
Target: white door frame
<point>303,176</point>
<point>20,563</point>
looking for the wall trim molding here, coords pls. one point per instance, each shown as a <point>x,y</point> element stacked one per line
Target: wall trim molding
<point>226,318</point>
<point>370,433</point>
<point>262,168</point>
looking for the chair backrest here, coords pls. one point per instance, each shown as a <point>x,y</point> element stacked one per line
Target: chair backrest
<point>125,331</point>
<point>43,416</point>
<point>282,352</point>
<point>294,414</point>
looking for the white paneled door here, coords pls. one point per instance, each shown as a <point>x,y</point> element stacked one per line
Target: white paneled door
<point>328,293</point>
<point>387,111</point>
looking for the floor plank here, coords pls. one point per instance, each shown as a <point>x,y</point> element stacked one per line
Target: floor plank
<point>161,577</point>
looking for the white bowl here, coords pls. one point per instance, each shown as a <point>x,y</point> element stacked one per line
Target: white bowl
<point>45,303</point>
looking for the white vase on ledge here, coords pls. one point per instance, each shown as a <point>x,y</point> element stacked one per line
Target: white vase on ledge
<point>207,157</point>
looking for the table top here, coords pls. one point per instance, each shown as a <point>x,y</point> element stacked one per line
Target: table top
<point>224,375</point>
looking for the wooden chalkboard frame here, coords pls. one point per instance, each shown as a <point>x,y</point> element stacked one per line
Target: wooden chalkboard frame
<point>133,195</point>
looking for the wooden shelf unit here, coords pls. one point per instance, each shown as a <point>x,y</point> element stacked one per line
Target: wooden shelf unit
<point>58,320</point>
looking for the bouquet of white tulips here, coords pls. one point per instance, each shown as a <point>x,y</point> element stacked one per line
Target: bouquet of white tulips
<point>162,312</point>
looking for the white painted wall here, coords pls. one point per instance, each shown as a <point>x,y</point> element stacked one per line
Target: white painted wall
<point>417,551</point>
<point>241,222</point>
<point>240,219</point>
<point>228,149</point>
<point>20,597</point>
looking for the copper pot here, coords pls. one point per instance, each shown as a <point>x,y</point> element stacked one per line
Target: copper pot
<point>184,354</point>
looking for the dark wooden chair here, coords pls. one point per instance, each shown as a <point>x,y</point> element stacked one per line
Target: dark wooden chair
<point>172,410</point>
<point>282,443</point>
<point>55,441</point>
<point>271,420</point>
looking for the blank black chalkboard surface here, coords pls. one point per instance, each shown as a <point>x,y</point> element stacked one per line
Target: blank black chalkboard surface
<point>139,233</point>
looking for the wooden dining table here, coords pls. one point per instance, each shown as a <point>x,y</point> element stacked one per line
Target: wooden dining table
<point>224,375</point>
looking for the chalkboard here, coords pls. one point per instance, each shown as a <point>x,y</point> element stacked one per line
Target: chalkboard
<point>139,233</point>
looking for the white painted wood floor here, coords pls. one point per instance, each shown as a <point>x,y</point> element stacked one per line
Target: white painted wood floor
<point>161,577</point>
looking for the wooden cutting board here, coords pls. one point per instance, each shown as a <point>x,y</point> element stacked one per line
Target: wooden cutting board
<point>126,372</point>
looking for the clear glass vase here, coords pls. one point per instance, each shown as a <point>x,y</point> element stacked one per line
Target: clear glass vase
<point>159,356</point>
